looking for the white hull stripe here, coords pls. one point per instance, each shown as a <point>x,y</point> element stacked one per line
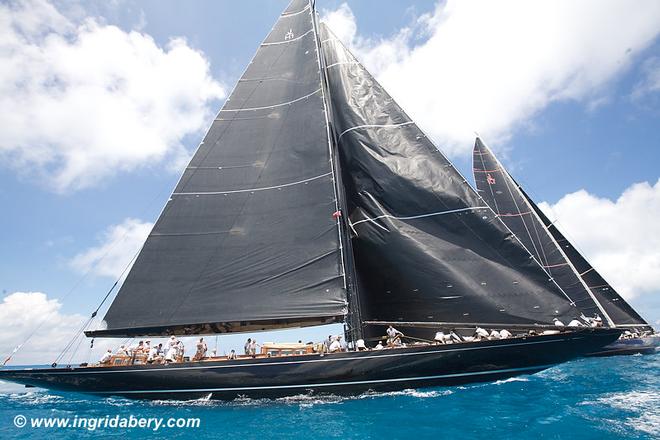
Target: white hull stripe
<point>453,211</point>
<point>211,193</point>
<point>270,106</point>
<point>327,358</point>
<point>330,384</point>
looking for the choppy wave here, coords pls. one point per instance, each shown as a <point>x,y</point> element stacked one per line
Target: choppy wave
<point>302,400</point>
<point>641,409</point>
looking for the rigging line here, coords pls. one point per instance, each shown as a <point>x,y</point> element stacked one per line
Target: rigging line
<point>331,151</point>
<point>513,215</point>
<point>211,193</point>
<point>289,14</point>
<point>38,327</point>
<point>558,247</point>
<point>581,254</point>
<point>228,167</point>
<point>271,106</point>
<point>586,272</point>
<point>541,255</point>
<point>453,211</point>
<point>357,127</point>
<point>483,164</point>
<point>290,40</point>
<point>75,350</point>
<point>95,312</point>
<point>72,341</point>
<point>341,63</point>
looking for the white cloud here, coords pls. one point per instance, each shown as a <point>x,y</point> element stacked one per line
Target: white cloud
<point>491,66</point>
<point>81,101</point>
<point>650,83</point>
<point>621,238</point>
<point>118,245</point>
<point>21,313</point>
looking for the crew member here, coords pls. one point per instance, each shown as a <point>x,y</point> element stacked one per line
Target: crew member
<point>393,336</point>
<point>106,357</point>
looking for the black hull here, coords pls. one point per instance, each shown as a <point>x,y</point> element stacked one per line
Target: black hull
<point>341,374</point>
<point>623,347</point>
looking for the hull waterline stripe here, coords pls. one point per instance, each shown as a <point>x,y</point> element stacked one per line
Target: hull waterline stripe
<point>211,193</point>
<point>325,359</point>
<point>331,384</point>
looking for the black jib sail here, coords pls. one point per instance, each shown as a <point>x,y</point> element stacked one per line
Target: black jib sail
<point>542,237</point>
<point>501,193</point>
<point>248,239</point>
<point>428,251</point>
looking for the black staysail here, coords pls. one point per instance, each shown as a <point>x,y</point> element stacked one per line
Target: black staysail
<point>428,251</point>
<point>534,228</point>
<point>248,239</point>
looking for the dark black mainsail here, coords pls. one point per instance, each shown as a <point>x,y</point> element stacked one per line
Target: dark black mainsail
<point>547,243</point>
<point>248,240</point>
<point>428,251</point>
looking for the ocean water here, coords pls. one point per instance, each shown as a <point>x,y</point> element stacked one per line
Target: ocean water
<point>606,398</point>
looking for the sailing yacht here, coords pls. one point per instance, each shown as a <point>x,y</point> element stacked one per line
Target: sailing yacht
<point>581,282</point>
<point>314,199</point>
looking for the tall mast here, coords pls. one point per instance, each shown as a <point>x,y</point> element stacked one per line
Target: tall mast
<point>354,330</point>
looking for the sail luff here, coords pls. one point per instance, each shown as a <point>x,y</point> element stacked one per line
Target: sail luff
<point>508,179</point>
<point>353,319</point>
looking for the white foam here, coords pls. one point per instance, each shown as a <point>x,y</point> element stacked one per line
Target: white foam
<point>511,379</point>
<point>644,404</point>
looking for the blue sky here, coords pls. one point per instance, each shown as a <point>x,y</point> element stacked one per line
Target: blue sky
<point>590,126</point>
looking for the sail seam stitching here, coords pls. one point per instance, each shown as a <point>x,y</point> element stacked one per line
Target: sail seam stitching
<point>271,106</point>
<point>253,189</point>
<point>341,63</point>
<point>419,216</point>
<point>290,14</point>
<point>291,40</point>
<point>357,127</point>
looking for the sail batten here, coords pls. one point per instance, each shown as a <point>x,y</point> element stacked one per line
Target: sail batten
<point>248,240</point>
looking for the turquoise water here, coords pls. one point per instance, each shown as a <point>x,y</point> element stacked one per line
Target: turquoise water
<point>608,398</point>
